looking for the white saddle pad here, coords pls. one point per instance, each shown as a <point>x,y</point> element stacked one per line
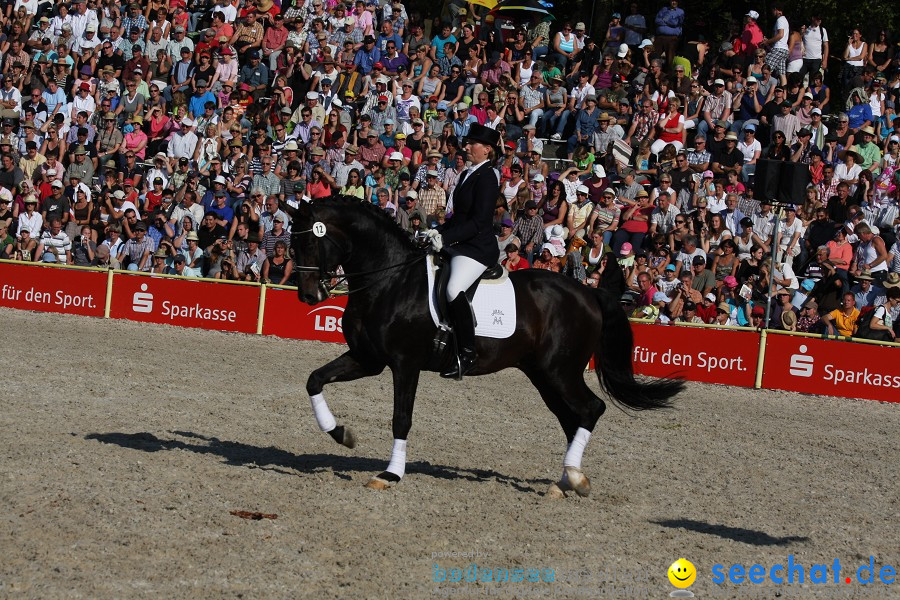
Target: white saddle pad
<point>494,304</point>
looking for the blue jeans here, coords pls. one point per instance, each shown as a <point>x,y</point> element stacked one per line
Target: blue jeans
<point>607,236</point>
<point>703,128</point>
<point>621,236</point>
<point>748,171</point>
<point>539,52</point>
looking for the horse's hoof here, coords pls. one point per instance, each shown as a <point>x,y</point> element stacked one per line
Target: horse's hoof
<point>377,483</point>
<point>343,436</point>
<point>349,439</point>
<point>383,481</point>
<point>554,492</point>
<point>577,481</point>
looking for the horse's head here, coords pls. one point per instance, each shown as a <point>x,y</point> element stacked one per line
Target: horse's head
<point>318,246</point>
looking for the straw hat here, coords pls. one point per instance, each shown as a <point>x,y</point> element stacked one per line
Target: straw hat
<point>789,320</point>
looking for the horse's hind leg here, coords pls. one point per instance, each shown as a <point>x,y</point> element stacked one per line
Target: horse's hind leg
<point>344,368</point>
<point>578,409</point>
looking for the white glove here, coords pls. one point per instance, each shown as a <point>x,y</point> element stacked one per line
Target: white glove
<point>435,238</point>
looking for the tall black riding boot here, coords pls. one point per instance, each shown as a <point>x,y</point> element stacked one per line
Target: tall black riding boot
<point>464,328</point>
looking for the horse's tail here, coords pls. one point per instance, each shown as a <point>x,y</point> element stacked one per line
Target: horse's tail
<point>612,362</point>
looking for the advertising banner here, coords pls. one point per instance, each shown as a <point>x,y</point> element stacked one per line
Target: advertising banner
<point>831,367</point>
<point>185,302</point>
<point>70,291</point>
<point>287,317</point>
<point>696,353</point>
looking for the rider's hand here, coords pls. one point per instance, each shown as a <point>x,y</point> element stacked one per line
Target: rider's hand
<point>435,238</point>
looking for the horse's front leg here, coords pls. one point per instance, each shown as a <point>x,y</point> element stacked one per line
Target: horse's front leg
<point>344,368</point>
<point>405,384</point>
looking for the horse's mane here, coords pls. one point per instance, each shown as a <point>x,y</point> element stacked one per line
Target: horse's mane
<point>612,278</point>
<point>371,212</point>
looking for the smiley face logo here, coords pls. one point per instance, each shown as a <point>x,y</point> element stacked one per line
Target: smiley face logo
<point>682,573</point>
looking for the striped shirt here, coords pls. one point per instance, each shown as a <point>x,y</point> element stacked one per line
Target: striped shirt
<point>135,250</point>
<point>59,242</point>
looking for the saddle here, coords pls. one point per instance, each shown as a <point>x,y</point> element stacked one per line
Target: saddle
<point>444,345</point>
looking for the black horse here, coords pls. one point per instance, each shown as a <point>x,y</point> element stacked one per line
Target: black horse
<point>561,325</point>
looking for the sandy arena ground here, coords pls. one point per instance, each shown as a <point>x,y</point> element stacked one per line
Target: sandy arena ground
<point>125,447</point>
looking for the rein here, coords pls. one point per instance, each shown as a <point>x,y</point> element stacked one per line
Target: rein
<point>326,277</point>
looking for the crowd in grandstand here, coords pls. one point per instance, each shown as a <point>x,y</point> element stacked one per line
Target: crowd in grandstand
<point>160,137</point>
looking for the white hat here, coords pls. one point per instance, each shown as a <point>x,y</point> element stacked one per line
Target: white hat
<point>580,26</point>
<point>51,172</point>
<point>412,194</point>
<point>118,194</point>
<point>291,145</point>
<point>816,111</point>
<point>645,42</point>
<point>396,156</point>
<point>312,95</point>
<point>719,82</point>
<point>336,102</point>
<point>220,179</point>
<point>539,178</point>
<point>187,122</point>
<point>599,171</point>
<point>583,189</point>
<point>753,15</point>
<point>552,248</point>
<point>432,173</point>
<point>711,297</point>
<point>556,231</point>
<point>56,183</point>
<point>623,51</point>
<point>349,21</point>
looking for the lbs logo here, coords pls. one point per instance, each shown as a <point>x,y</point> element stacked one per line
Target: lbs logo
<point>326,322</point>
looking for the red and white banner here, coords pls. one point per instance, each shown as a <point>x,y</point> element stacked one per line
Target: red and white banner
<point>50,289</point>
<point>730,357</point>
<point>287,317</point>
<point>833,368</point>
<point>696,353</point>
<point>185,302</point>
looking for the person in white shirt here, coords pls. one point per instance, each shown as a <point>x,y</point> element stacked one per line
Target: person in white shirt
<point>10,96</point>
<point>183,143</point>
<point>778,44</point>
<point>31,219</point>
<point>815,48</point>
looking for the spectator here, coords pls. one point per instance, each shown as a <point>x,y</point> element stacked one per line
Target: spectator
<point>842,320</point>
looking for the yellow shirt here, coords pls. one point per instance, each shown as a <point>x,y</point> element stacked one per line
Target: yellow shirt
<point>843,323</point>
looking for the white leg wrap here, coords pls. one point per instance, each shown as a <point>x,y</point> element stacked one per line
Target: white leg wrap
<point>576,448</point>
<point>397,465</point>
<point>323,416</point>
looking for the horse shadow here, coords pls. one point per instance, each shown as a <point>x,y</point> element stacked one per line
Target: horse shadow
<point>737,534</point>
<point>284,462</point>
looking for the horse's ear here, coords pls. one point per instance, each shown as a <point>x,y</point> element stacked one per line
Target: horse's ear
<point>294,213</point>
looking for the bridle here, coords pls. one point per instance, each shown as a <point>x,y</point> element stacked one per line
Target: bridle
<point>327,277</point>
